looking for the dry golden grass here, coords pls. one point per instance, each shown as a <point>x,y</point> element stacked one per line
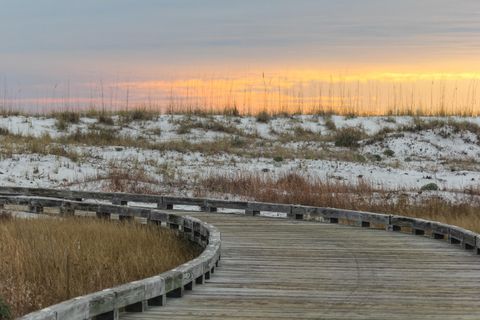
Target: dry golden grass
<point>296,189</point>
<point>46,261</point>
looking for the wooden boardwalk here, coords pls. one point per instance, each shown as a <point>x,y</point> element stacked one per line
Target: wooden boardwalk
<point>287,269</point>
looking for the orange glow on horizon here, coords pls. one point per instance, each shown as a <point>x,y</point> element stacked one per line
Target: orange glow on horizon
<point>309,91</point>
<point>295,91</point>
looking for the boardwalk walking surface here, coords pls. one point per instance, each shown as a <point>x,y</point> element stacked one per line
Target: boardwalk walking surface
<point>286,269</point>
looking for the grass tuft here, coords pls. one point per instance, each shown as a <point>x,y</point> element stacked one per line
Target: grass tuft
<point>65,119</point>
<point>5,313</point>
<point>349,137</point>
<point>263,117</point>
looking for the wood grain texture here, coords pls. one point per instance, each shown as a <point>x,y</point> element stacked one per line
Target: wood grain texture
<point>288,269</point>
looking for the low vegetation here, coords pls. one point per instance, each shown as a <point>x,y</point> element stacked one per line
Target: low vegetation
<point>187,124</point>
<point>330,124</point>
<point>65,118</point>
<point>263,116</point>
<point>349,137</point>
<point>138,114</point>
<point>46,261</point>
<point>5,313</point>
<point>430,187</point>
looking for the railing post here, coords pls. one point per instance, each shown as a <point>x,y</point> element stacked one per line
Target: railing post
<point>252,212</point>
<point>140,306</point>
<point>189,286</point>
<point>103,215</point>
<point>418,232</point>
<point>159,301</point>
<point>176,293</point>
<point>119,202</point>
<point>200,279</point>
<point>111,315</point>
<point>67,210</point>
<point>35,209</point>
<point>208,209</point>
<point>162,204</point>
<point>124,218</point>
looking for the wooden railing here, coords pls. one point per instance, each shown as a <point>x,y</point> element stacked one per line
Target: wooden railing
<point>136,296</point>
<point>456,235</point>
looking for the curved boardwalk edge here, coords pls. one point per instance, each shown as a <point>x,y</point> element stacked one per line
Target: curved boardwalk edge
<point>135,296</point>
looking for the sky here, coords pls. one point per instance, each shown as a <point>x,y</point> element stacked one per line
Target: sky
<point>56,49</point>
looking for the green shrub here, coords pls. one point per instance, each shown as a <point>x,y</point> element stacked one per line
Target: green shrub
<point>105,119</point>
<point>430,187</point>
<point>140,114</point>
<point>61,125</point>
<point>5,313</point>
<point>330,124</point>
<point>389,152</point>
<point>348,137</point>
<point>96,137</point>
<point>214,125</point>
<point>350,115</point>
<point>67,116</point>
<point>278,159</point>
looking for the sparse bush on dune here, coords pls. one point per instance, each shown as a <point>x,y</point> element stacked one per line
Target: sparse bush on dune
<point>298,133</point>
<point>231,112</point>
<point>137,114</point>
<point>65,118</point>
<point>389,152</point>
<point>186,125</point>
<point>263,116</point>
<point>105,119</point>
<point>349,137</point>
<point>430,187</point>
<point>329,124</point>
